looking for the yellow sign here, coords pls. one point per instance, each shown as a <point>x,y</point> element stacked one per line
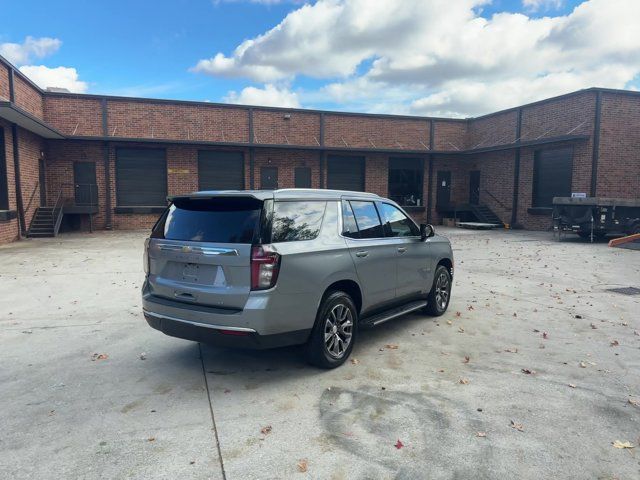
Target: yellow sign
<point>178,170</point>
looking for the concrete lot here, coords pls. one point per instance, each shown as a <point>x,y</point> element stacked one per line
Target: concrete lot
<point>521,302</point>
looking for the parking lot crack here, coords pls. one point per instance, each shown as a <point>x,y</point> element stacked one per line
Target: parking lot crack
<point>213,417</point>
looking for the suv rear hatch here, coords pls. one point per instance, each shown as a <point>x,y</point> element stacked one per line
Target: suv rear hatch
<point>200,250</point>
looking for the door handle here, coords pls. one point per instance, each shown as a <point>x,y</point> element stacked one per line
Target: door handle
<point>402,249</point>
<point>362,253</point>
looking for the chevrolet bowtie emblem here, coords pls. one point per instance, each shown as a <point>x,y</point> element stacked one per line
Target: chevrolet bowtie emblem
<point>186,249</point>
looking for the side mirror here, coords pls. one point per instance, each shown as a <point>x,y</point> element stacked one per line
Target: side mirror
<point>426,231</point>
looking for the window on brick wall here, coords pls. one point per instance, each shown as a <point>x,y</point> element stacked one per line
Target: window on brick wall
<point>141,177</point>
<point>4,181</point>
<point>406,181</point>
<point>220,170</point>
<point>551,176</point>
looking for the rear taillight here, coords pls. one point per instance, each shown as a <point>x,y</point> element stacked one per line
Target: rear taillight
<point>145,259</point>
<point>265,264</point>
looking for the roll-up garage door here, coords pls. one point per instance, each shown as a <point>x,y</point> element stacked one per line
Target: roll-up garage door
<point>551,176</point>
<point>141,177</point>
<point>345,173</point>
<point>220,170</point>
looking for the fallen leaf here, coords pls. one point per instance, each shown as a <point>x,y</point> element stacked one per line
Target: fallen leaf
<point>466,359</point>
<point>511,350</point>
<point>399,444</point>
<point>470,307</point>
<point>302,466</point>
<point>464,381</point>
<point>619,444</point>
<point>583,365</point>
<point>481,434</point>
<point>572,385</point>
<point>460,329</point>
<point>614,343</point>
<point>545,335</point>
<point>528,372</point>
<point>578,316</point>
<point>99,356</point>
<point>151,439</point>
<point>449,322</point>
<point>391,346</point>
<point>355,361</point>
<point>517,426</point>
<point>458,314</point>
<point>593,325</point>
<point>266,430</point>
<point>634,402</point>
<point>143,356</point>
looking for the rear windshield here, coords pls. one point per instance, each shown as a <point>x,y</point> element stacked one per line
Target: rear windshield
<point>220,220</point>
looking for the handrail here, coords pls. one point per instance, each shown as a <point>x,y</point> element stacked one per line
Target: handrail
<point>32,196</point>
<point>498,201</point>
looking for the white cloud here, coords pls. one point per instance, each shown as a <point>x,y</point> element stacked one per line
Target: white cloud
<point>441,55</point>
<point>63,77</point>
<point>32,48</point>
<point>537,5</point>
<point>270,95</point>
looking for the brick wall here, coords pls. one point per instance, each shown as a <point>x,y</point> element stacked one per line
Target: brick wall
<point>30,146</point>
<point>175,121</point>
<point>619,162</point>
<point>449,135</point>
<point>495,129</point>
<point>286,161</point>
<point>299,129</point>
<point>9,230</point>
<point>74,115</point>
<point>370,132</point>
<point>27,97</point>
<point>4,82</point>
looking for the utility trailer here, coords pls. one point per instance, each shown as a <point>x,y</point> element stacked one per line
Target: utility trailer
<point>595,217</point>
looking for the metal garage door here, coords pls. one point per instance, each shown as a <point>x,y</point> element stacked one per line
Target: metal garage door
<point>220,170</point>
<point>551,176</point>
<point>141,177</point>
<point>345,173</point>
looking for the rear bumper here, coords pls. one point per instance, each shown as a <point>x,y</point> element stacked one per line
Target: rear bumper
<point>221,336</point>
<point>268,320</point>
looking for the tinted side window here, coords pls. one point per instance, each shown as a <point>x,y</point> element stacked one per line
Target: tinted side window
<point>349,226</point>
<point>367,219</point>
<point>294,221</point>
<point>397,224</point>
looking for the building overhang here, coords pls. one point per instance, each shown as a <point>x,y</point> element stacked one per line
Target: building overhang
<point>14,114</point>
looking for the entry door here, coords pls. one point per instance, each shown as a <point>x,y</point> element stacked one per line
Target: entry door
<point>474,187</point>
<point>443,197</point>
<point>269,178</point>
<point>84,175</point>
<point>42,183</point>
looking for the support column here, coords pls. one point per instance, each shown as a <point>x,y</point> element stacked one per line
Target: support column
<point>252,160</point>
<point>596,146</point>
<point>16,171</point>
<point>107,167</point>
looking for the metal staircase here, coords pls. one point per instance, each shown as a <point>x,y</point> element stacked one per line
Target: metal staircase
<point>46,221</point>
<point>485,215</point>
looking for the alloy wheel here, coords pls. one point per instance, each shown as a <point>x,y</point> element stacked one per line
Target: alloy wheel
<point>338,330</point>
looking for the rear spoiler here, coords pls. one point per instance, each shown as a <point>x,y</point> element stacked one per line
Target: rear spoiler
<point>257,194</point>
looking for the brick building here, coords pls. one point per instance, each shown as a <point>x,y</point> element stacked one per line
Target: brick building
<point>111,161</point>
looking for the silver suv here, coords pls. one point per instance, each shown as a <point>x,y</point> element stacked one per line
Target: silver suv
<point>271,268</point>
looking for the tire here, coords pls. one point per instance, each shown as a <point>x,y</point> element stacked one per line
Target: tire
<point>440,294</point>
<point>329,347</point>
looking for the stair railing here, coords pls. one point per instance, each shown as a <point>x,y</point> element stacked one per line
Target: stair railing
<point>33,194</point>
<point>497,200</point>
<point>57,216</point>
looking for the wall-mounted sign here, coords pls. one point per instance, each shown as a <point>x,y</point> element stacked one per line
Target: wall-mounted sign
<point>178,170</point>
<point>578,195</point>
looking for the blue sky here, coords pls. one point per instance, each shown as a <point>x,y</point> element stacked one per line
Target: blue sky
<point>150,49</point>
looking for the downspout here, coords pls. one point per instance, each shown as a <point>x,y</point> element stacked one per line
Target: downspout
<point>516,172</point>
<point>321,155</point>
<point>107,168</point>
<point>596,146</point>
<point>430,185</point>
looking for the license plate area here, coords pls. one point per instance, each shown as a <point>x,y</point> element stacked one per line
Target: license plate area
<point>200,274</point>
